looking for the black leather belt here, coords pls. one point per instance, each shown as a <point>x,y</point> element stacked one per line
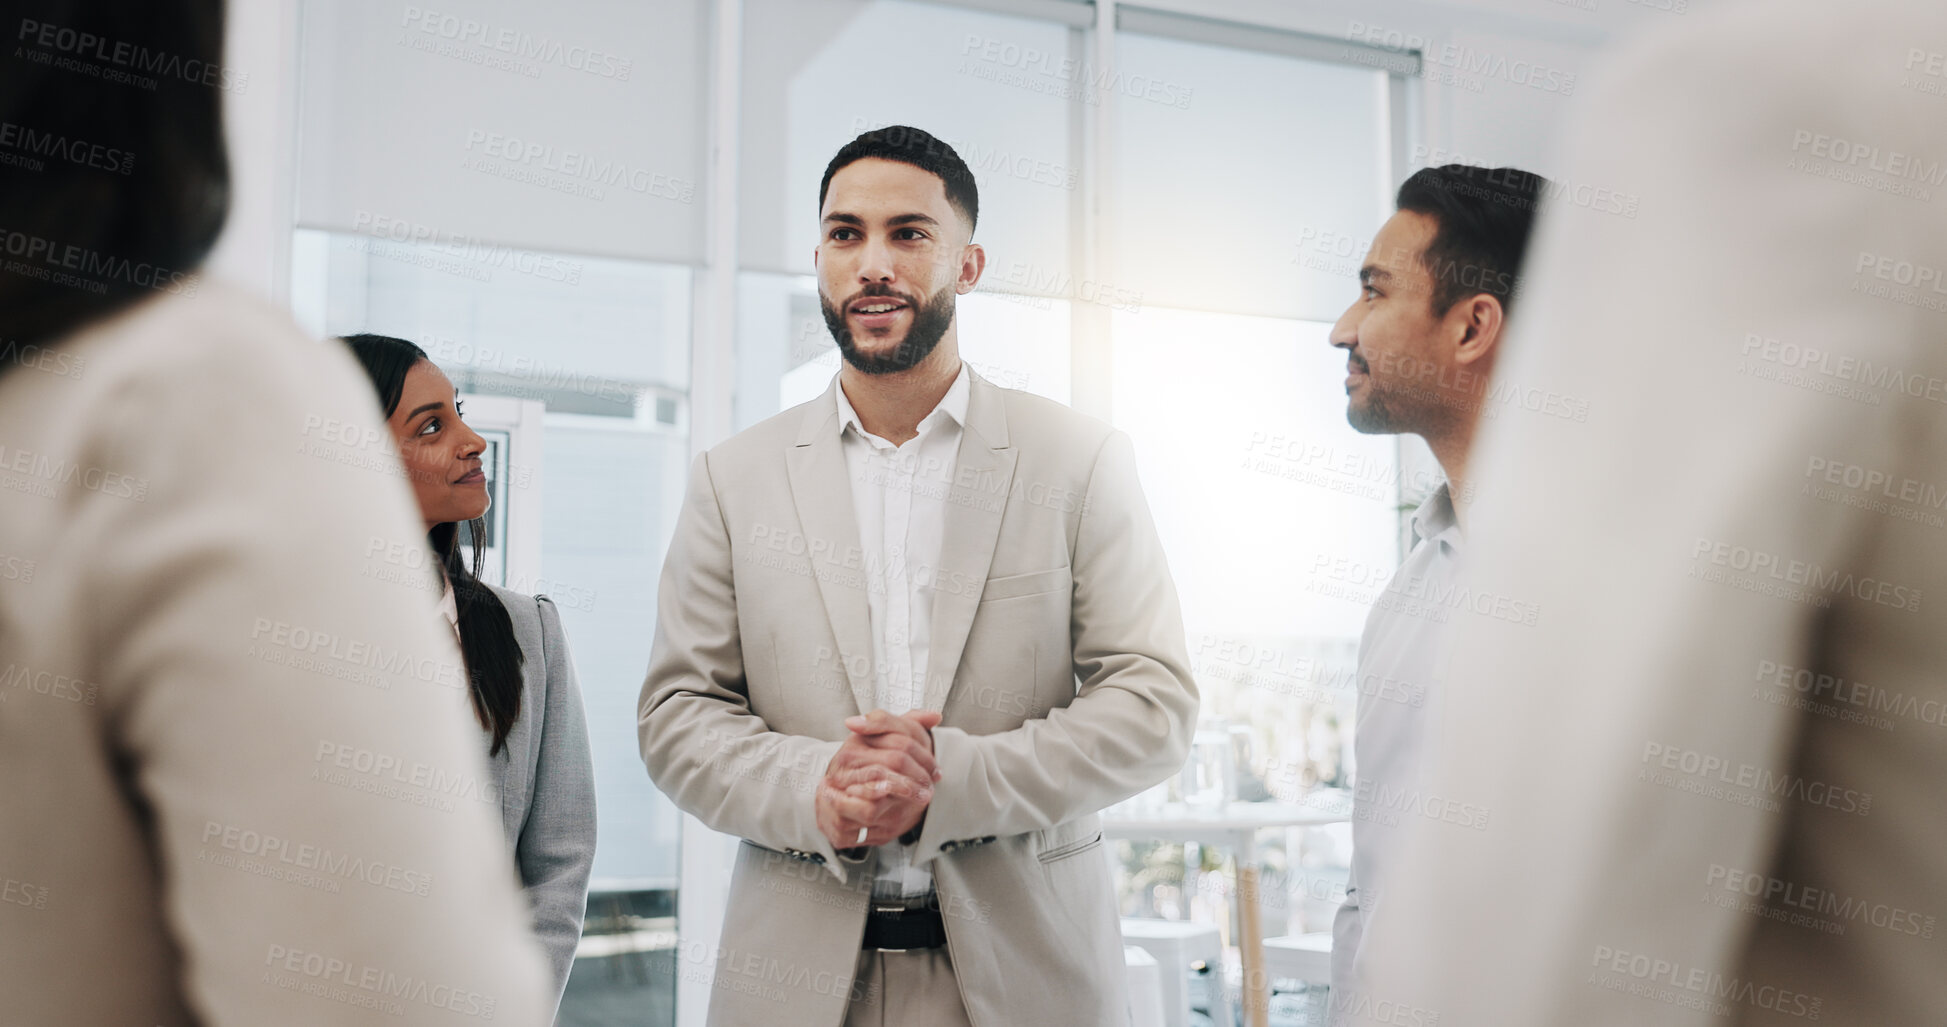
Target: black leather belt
<point>919,928</point>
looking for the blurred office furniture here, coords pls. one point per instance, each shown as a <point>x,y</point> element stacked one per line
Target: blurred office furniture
<point>1234,825</point>
<point>1306,958</point>
<point>1145,988</point>
<point>1178,947</point>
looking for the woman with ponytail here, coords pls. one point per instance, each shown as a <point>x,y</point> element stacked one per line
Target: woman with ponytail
<point>522,683</point>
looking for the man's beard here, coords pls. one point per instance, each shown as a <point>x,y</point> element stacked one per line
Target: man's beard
<point>930,322</point>
<point>1376,417</point>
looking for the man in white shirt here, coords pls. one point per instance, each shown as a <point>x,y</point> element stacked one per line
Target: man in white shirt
<point>1420,340</point>
<point>1716,769</point>
<point>912,637</point>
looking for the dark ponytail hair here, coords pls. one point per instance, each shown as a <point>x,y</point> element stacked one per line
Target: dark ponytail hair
<point>493,655</point>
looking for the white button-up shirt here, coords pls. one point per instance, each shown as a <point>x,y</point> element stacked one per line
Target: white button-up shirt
<point>899,496</point>
<point>1402,661</point>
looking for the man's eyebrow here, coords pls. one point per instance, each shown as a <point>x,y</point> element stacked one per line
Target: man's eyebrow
<point>844,218</point>
<point>1373,272</point>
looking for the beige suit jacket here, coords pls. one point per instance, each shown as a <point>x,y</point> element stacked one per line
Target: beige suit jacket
<point>1713,768</point>
<point>1058,663</point>
<point>243,786</point>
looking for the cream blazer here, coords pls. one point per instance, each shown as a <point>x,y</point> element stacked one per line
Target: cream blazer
<point>243,786</point>
<point>1058,663</point>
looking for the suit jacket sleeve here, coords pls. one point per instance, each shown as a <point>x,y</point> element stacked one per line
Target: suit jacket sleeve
<point>557,843</point>
<point>1135,708</point>
<point>245,697</point>
<point>704,746</point>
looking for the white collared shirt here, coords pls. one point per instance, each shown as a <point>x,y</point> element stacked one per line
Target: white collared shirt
<point>899,497</point>
<point>1403,658</point>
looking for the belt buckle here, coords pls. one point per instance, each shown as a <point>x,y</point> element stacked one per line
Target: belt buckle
<point>894,911</point>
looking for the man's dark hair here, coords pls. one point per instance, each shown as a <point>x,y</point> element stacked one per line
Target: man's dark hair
<point>151,210</point>
<point>1483,218</point>
<point>921,149</point>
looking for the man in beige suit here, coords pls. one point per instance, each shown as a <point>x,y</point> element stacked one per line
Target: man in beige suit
<point>911,637</point>
<point>1714,765</point>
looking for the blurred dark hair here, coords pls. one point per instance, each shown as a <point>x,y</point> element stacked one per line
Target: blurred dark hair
<point>1484,216</point>
<point>922,150</point>
<point>493,654</point>
<point>130,183</point>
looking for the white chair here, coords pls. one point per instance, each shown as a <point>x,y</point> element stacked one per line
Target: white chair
<point>1303,957</point>
<point>1145,988</point>
<point>1176,944</point>
<point>1307,958</point>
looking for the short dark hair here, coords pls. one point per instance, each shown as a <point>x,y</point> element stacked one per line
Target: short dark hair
<point>157,203</point>
<point>1483,218</point>
<point>921,149</point>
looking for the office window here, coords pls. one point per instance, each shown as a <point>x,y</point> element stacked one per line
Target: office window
<point>1244,182</point>
<point>568,126</point>
<point>1244,190</point>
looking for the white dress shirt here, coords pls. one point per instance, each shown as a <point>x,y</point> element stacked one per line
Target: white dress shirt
<point>1405,642</point>
<point>899,497</point>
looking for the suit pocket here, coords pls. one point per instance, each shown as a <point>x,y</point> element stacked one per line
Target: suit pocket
<point>1015,586</point>
<point>1072,849</point>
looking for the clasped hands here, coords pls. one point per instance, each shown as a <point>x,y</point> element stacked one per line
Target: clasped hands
<point>881,779</point>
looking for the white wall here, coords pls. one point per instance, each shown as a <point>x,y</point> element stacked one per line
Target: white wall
<point>259,118</point>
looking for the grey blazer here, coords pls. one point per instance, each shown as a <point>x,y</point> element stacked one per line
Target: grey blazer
<point>546,782</point>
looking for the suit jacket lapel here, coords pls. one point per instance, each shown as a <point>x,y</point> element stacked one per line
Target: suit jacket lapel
<point>821,489</point>
<point>983,479</point>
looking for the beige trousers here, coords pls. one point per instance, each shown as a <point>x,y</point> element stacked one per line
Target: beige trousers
<point>910,988</point>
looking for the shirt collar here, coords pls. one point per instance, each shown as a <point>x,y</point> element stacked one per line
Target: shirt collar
<point>1435,518</point>
<point>952,405</point>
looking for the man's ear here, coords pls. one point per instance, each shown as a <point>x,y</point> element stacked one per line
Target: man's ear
<point>1481,320</point>
<point>973,263</point>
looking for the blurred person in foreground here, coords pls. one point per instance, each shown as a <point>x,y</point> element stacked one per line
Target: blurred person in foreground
<point>520,677</point>
<point>912,636</point>
<point>240,786</point>
<point>1714,770</point>
<point>1421,339</point>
